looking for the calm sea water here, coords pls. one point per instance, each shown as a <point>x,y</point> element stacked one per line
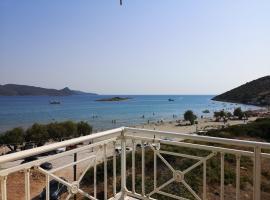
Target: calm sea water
<point>25,110</point>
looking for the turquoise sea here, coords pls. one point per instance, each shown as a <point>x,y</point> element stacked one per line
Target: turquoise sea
<point>23,111</point>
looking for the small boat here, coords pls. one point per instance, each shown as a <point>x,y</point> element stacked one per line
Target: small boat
<point>55,102</point>
<point>170,99</point>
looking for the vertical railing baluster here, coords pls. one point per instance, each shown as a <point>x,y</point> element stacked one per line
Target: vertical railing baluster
<point>204,180</point>
<point>27,184</point>
<point>257,174</point>
<point>123,166</point>
<point>143,169</point>
<point>238,177</point>
<point>133,166</point>
<point>114,169</point>
<point>95,178</point>
<point>105,171</point>
<point>222,176</point>
<point>155,169</point>
<point>4,187</point>
<point>47,187</point>
<point>75,172</point>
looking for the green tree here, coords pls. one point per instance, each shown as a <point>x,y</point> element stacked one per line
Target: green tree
<point>238,113</point>
<point>56,131</point>
<point>70,129</point>
<point>229,114</point>
<point>220,114</point>
<point>216,115</point>
<point>83,128</point>
<point>2,139</point>
<point>13,138</point>
<point>37,133</point>
<point>190,116</point>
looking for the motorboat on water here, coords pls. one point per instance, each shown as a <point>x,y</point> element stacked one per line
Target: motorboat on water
<point>55,102</point>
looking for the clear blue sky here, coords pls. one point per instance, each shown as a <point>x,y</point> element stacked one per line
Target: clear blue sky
<point>143,47</point>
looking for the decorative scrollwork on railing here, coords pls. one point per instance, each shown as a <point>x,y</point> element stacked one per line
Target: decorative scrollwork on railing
<point>178,175</point>
<point>74,186</point>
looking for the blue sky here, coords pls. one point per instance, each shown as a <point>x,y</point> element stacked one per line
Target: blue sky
<point>143,47</point>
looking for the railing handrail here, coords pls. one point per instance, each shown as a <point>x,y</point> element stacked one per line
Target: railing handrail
<point>53,146</point>
<point>134,135</point>
<point>138,131</point>
<point>210,139</point>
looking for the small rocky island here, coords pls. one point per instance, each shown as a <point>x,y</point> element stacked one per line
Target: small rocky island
<point>114,99</point>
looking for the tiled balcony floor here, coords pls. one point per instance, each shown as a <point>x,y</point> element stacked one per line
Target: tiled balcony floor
<point>118,197</point>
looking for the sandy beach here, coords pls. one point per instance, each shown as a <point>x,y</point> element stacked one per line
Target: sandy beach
<point>181,127</point>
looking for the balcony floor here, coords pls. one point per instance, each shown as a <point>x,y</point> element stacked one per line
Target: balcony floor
<point>118,197</point>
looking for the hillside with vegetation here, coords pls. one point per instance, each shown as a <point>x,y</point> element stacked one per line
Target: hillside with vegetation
<point>256,92</point>
<point>258,130</point>
<point>25,90</point>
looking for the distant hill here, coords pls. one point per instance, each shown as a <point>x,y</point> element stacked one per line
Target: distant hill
<point>25,90</point>
<point>256,92</point>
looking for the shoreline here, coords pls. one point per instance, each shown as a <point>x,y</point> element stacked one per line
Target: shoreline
<point>152,123</point>
<point>236,102</point>
<point>204,124</point>
<point>181,126</point>
<point>99,115</point>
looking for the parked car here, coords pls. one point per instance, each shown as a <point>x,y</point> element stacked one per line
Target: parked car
<point>168,139</point>
<point>139,145</point>
<point>12,151</point>
<point>46,166</point>
<point>156,145</point>
<point>128,149</point>
<point>48,153</point>
<point>60,150</point>
<point>56,190</point>
<point>29,159</point>
<point>71,147</point>
<point>201,132</point>
<point>118,150</point>
<point>29,146</point>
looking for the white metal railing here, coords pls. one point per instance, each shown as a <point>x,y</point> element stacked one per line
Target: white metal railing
<point>100,148</point>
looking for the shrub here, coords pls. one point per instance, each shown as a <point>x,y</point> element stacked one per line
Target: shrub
<point>190,116</point>
<point>229,114</point>
<point>221,114</point>
<point>84,128</point>
<point>13,137</point>
<point>70,129</point>
<point>56,131</point>
<point>238,113</point>
<point>40,134</point>
<point>37,133</point>
<point>257,129</point>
